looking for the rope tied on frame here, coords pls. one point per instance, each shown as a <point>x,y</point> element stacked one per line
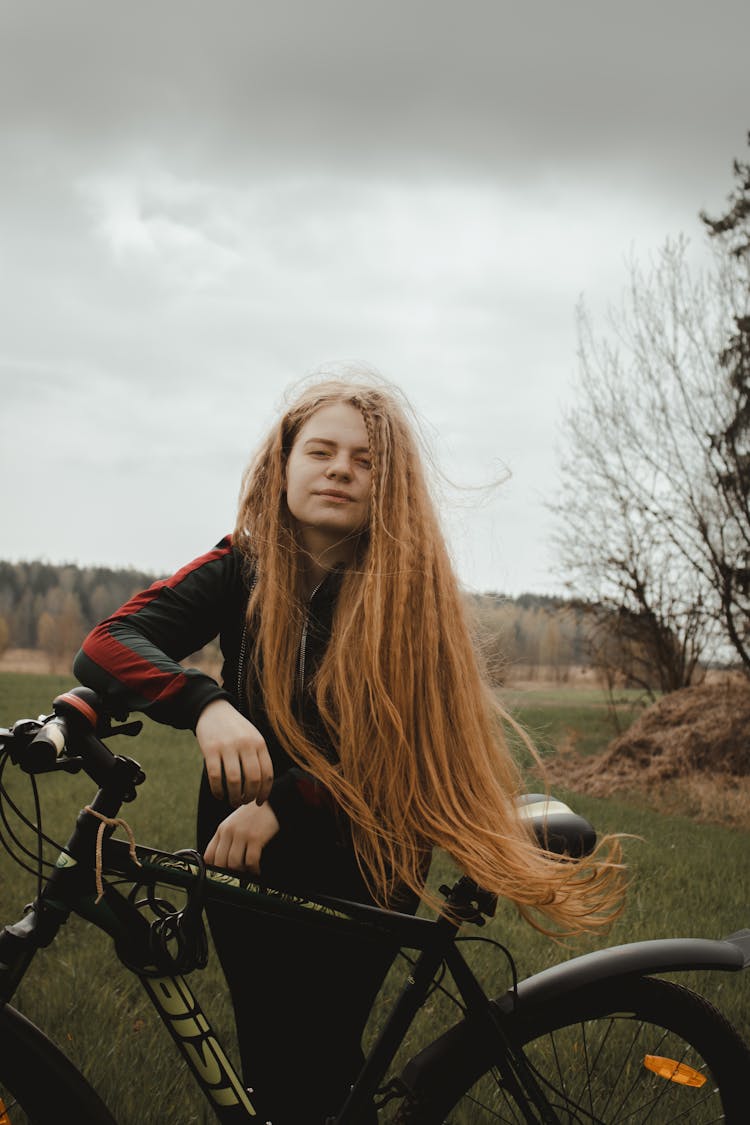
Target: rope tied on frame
<point>111,822</point>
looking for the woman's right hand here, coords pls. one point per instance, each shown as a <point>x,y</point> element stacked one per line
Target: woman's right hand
<point>237,760</point>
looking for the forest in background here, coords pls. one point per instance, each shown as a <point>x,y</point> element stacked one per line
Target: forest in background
<point>49,608</point>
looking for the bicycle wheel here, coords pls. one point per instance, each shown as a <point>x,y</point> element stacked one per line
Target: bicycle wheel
<point>38,1084</point>
<point>641,1052</point>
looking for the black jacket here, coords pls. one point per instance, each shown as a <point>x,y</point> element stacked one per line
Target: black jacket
<point>132,659</point>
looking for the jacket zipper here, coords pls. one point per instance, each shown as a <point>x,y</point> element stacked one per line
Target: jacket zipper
<point>303,648</point>
<point>241,664</point>
<point>243,647</point>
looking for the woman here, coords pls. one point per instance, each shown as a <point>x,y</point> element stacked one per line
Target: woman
<point>354,730</point>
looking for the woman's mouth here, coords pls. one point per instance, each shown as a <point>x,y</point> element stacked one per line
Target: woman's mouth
<point>332,494</point>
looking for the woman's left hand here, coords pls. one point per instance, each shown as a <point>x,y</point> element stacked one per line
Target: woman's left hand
<point>239,840</point>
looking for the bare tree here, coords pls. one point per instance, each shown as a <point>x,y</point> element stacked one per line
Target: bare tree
<point>650,523</point>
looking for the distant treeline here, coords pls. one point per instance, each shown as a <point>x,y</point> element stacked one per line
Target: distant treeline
<point>51,608</point>
<point>531,635</point>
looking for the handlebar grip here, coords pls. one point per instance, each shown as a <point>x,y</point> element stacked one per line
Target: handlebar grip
<point>83,710</point>
<point>74,734</point>
<point>82,705</point>
<point>88,722</point>
<point>41,755</point>
<point>72,728</point>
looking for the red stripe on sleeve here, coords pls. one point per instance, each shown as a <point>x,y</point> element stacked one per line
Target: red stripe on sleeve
<point>145,596</point>
<point>125,664</point>
<point>129,667</point>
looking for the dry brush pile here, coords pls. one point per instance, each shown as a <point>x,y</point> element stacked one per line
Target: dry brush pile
<point>690,752</point>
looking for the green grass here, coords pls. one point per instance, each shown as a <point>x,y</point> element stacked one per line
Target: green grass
<point>686,880</point>
<point>578,719</point>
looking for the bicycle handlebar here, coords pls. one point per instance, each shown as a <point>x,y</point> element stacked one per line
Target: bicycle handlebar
<point>71,739</point>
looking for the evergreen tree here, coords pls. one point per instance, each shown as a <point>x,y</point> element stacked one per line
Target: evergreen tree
<point>732,230</point>
<point>732,441</point>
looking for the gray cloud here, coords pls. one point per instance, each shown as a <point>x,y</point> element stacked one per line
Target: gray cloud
<point>203,202</point>
<point>500,86</point>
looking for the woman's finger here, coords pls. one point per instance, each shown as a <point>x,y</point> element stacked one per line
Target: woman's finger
<point>252,859</point>
<point>232,767</point>
<point>250,774</point>
<point>266,775</point>
<point>214,774</point>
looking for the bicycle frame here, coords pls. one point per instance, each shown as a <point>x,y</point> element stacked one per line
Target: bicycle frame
<point>70,889</point>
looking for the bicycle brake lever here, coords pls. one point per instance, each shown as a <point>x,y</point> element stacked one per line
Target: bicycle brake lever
<point>19,736</point>
<point>130,730</point>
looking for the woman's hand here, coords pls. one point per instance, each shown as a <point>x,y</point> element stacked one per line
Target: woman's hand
<point>239,840</point>
<point>237,759</point>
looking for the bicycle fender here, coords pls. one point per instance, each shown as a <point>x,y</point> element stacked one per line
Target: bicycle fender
<point>640,958</point>
<point>643,958</point>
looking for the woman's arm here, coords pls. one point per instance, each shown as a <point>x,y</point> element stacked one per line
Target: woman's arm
<point>132,658</point>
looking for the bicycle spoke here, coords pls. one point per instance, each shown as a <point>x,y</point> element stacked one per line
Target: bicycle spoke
<point>627,1061</point>
<point>594,1072</point>
<point>483,1106</point>
<point>560,1072</point>
<point>602,1044</point>
<point>663,1093</point>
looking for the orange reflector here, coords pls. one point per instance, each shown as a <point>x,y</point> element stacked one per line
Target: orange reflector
<point>673,1071</point>
<point>4,1119</point>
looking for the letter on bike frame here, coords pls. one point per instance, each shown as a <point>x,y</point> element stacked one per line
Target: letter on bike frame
<point>181,1013</point>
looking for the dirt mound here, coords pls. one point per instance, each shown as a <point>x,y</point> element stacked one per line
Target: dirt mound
<point>697,732</point>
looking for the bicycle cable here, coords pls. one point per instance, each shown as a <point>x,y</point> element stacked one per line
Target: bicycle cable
<point>437,982</point>
<point>436,985</point>
<point>39,841</point>
<point>35,828</point>
<point>183,928</point>
<point>508,957</point>
<point>177,938</point>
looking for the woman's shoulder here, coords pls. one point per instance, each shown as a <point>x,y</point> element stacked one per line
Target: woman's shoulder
<point>223,569</point>
<point>239,558</point>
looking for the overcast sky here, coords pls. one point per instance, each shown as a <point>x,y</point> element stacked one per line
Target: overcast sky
<point>204,202</point>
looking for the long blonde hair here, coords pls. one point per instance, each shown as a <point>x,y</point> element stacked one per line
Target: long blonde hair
<point>422,756</point>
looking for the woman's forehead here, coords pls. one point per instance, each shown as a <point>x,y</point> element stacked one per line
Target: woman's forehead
<point>338,422</point>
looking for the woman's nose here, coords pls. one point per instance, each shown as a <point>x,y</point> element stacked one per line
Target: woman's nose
<point>339,466</point>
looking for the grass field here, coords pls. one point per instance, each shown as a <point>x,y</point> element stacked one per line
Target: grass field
<point>686,880</point>
<point>578,719</point>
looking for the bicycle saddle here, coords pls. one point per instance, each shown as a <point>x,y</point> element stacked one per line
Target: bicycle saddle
<point>556,826</point>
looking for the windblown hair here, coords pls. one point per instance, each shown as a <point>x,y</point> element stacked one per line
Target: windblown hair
<point>422,756</point>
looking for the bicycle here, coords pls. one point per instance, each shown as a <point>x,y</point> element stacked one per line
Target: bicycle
<point>596,1039</point>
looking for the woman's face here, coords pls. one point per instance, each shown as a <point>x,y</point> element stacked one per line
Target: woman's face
<point>328,476</point>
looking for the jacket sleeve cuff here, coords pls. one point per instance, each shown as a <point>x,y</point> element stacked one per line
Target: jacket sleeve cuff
<point>297,795</point>
<point>203,690</point>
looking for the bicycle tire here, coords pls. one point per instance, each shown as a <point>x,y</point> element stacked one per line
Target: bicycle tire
<point>587,1050</point>
<point>38,1083</point>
